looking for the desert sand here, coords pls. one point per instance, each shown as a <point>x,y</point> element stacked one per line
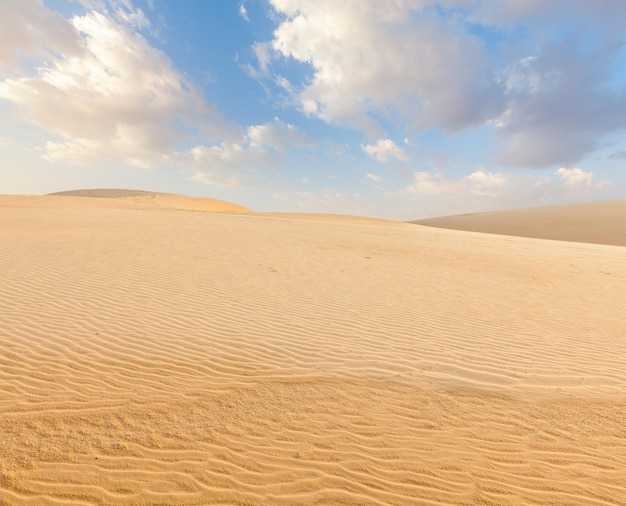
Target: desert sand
<point>156,355</point>
<point>599,222</point>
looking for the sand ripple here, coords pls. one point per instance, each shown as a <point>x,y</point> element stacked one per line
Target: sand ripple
<point>191,358</point>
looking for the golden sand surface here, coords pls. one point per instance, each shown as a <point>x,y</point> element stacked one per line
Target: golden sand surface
<point>598,222</point>
<point>155,356</point>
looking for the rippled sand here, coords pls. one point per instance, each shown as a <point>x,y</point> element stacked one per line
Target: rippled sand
<point>152,355</point>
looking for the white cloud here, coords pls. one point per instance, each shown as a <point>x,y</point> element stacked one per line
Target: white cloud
<point>437,194</point>
<point>233,163</point>
<point>134,17</point>
<point>377,178</point>
<point>430,184</point>
<point>263,53</point>
<point>28,28</point>
<point>523,76</point>
<point>119,99</point>
<point>551,93</point>
<point>559,106</point>
<point>278,135</point>
<point>284,83</point>
<point>219,165</point>
<point>434,194</point>
<point>373,58</point>
<point>577,178</point>
<point>243,12</point>
<point>476,183</point>
<point>486,182</point>
<point>122,10</point>
<point>385,150</point>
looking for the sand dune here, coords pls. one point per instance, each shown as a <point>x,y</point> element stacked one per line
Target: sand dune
<point>123,199</point>
<point>598,223</point>
<point>202,358</point>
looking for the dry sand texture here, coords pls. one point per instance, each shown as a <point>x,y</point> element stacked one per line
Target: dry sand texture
<point>599,223</point>
<point>174,357</point>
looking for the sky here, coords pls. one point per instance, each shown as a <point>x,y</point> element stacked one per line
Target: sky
<point>400,109</point>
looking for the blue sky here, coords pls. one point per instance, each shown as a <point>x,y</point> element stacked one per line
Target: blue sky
<point>391,108</point>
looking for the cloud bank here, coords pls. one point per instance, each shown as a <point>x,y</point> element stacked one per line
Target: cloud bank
<point>429,64</point>
<point>117,99</point>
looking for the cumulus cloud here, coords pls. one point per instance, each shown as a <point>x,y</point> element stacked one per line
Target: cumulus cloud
<point>370,58</point>
<point>476,183</point>
<point>115,97</point>
<point>578,178</point>
<point>219,165</point>
<point>438,194</point>
<point>28,28</point>
<point>481,190</point>
<point>277,136</point>
<point>233,163</point>
<point>575,177</point>
<point>118,99</point>
<point>560,104</point>
<point>486,182</point>
<point>421,64</point>
<point>377,178</point>
<point>385,150</point>
<point>564,107</point>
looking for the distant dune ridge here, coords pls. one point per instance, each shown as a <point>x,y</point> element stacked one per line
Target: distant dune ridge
<point>175,357</point>
<point>127,199</point>
<point>110,193</point>
<point>598,222</point>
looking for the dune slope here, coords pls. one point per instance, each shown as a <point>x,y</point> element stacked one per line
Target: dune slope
<point>599,222</point>
<point>201,358</point>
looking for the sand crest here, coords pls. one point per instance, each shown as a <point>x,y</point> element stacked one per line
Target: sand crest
<point>221,358</point>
